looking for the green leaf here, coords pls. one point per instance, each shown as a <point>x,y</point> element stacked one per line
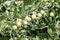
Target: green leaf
<point>2,24</point>
<point>22,38</point>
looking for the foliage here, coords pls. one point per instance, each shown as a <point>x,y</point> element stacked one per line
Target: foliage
<point>30,20</point>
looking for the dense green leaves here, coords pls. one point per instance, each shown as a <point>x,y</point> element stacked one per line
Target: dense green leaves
<point>30,19</point>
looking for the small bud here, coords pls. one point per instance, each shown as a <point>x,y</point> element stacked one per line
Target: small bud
<point>26,39</point>
<point>42,11</point>
<point>19,20</point>
<point>18,23</point>
<point>34,12</point>
<point>25,22</point>
<point>33,16</point>
<point>30,5</point>
<point>51,14</point>
<point>39,15</point>
<point>27,18</point>
<point>50,30</point>
<point>18,2</point>
<point>8,3</point>
<point>11,39</point>
<point>14,27</point>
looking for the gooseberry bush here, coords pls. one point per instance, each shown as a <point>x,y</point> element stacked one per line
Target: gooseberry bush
<point>29,19</point>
